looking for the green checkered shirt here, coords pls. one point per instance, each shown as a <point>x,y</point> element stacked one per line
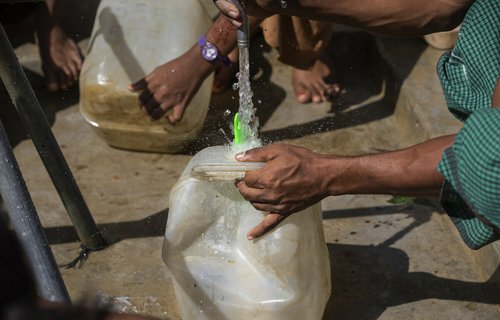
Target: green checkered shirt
<point>471,166</point>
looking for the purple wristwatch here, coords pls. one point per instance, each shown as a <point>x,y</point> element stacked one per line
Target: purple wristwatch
<point>210,52</point>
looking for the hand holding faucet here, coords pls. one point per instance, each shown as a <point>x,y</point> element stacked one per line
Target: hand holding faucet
<point>234,10</point>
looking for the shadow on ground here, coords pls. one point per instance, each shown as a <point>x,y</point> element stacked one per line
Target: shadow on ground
<point>151,226</point>
<point>371,89</point>
<point>367,279</point>
<point>77,21</point>
<point>51,103</point>
<point>217,129</point>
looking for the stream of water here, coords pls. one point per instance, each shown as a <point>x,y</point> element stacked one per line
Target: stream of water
<point>249,123</point>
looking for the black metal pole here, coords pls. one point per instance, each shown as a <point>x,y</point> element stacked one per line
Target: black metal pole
<point>26,224</point>
<point>34,120</point>
<point>16,1</point>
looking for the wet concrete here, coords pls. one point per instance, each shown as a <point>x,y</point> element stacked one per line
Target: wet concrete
<point>389,261</point>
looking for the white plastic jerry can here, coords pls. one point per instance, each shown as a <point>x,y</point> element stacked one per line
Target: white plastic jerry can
<point>129,40</point>
<point>218,273</point>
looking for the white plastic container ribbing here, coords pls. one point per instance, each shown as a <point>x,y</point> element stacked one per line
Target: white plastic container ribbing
<point>217,273</point>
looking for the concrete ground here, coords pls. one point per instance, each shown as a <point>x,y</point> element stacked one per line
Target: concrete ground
<point>389,260</point>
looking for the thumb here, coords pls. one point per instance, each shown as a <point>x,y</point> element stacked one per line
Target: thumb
<point>266,225</point>
<point>263,154</point>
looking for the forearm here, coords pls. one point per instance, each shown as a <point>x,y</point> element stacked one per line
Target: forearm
<point>223,34</point>
<point>411,171</point>
<point>390,17</point>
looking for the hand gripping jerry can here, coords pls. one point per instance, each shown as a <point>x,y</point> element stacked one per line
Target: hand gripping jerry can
<point>129,39</point>
<point>218,273</point>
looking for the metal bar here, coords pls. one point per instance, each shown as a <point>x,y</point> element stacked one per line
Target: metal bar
<point>34,120</point>
<point>19,1</point>
<point>24,219</point>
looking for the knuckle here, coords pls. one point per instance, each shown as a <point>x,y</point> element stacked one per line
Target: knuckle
<point>281,208</point>
<point>268,223</point>
<point>258,206</point>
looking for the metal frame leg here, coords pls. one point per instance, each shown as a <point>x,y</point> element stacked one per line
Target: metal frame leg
<point>25,221</point>
<point>34,120</point>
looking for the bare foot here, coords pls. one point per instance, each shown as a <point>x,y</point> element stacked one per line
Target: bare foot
<point>61,58</point>
<point>315,84</point>
<point>224,74</point>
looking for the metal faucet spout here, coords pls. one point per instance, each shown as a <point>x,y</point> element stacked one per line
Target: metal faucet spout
<point>242,35</point>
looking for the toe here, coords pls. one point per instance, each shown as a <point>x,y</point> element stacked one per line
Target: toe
<point>52,82</point>
<point>52,86</point>
<point>304,97</point>
<point>317,99</point>
<point>335,89</point>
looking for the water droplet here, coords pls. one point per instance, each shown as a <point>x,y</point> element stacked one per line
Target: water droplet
<point>227,113</point>
<point>235,86</point>
<point>259,101</point>
<point>283,4</point>
<point>225,135</point>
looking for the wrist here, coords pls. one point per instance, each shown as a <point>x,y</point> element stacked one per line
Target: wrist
<point>326,169</point>
<point>200,64</point>
<point>338,175</point>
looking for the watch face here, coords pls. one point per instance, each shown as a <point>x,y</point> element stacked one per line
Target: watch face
<point>209,52</point>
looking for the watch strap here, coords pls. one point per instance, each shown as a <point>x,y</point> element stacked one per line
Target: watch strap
<point>220,57</point>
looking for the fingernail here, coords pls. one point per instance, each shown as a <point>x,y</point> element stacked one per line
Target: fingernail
<point>250,237</point>
<point>233,14</point>
<point>240,155</point>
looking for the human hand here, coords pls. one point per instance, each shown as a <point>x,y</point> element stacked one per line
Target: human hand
<point>292,179</point>
<point>172,86</point>
<point>231,12</point>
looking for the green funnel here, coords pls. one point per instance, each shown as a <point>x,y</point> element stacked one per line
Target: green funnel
<point>238,132</point>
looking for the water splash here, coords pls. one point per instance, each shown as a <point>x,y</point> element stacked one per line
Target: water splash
<point>224,135</point>
<point>249,123</point>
